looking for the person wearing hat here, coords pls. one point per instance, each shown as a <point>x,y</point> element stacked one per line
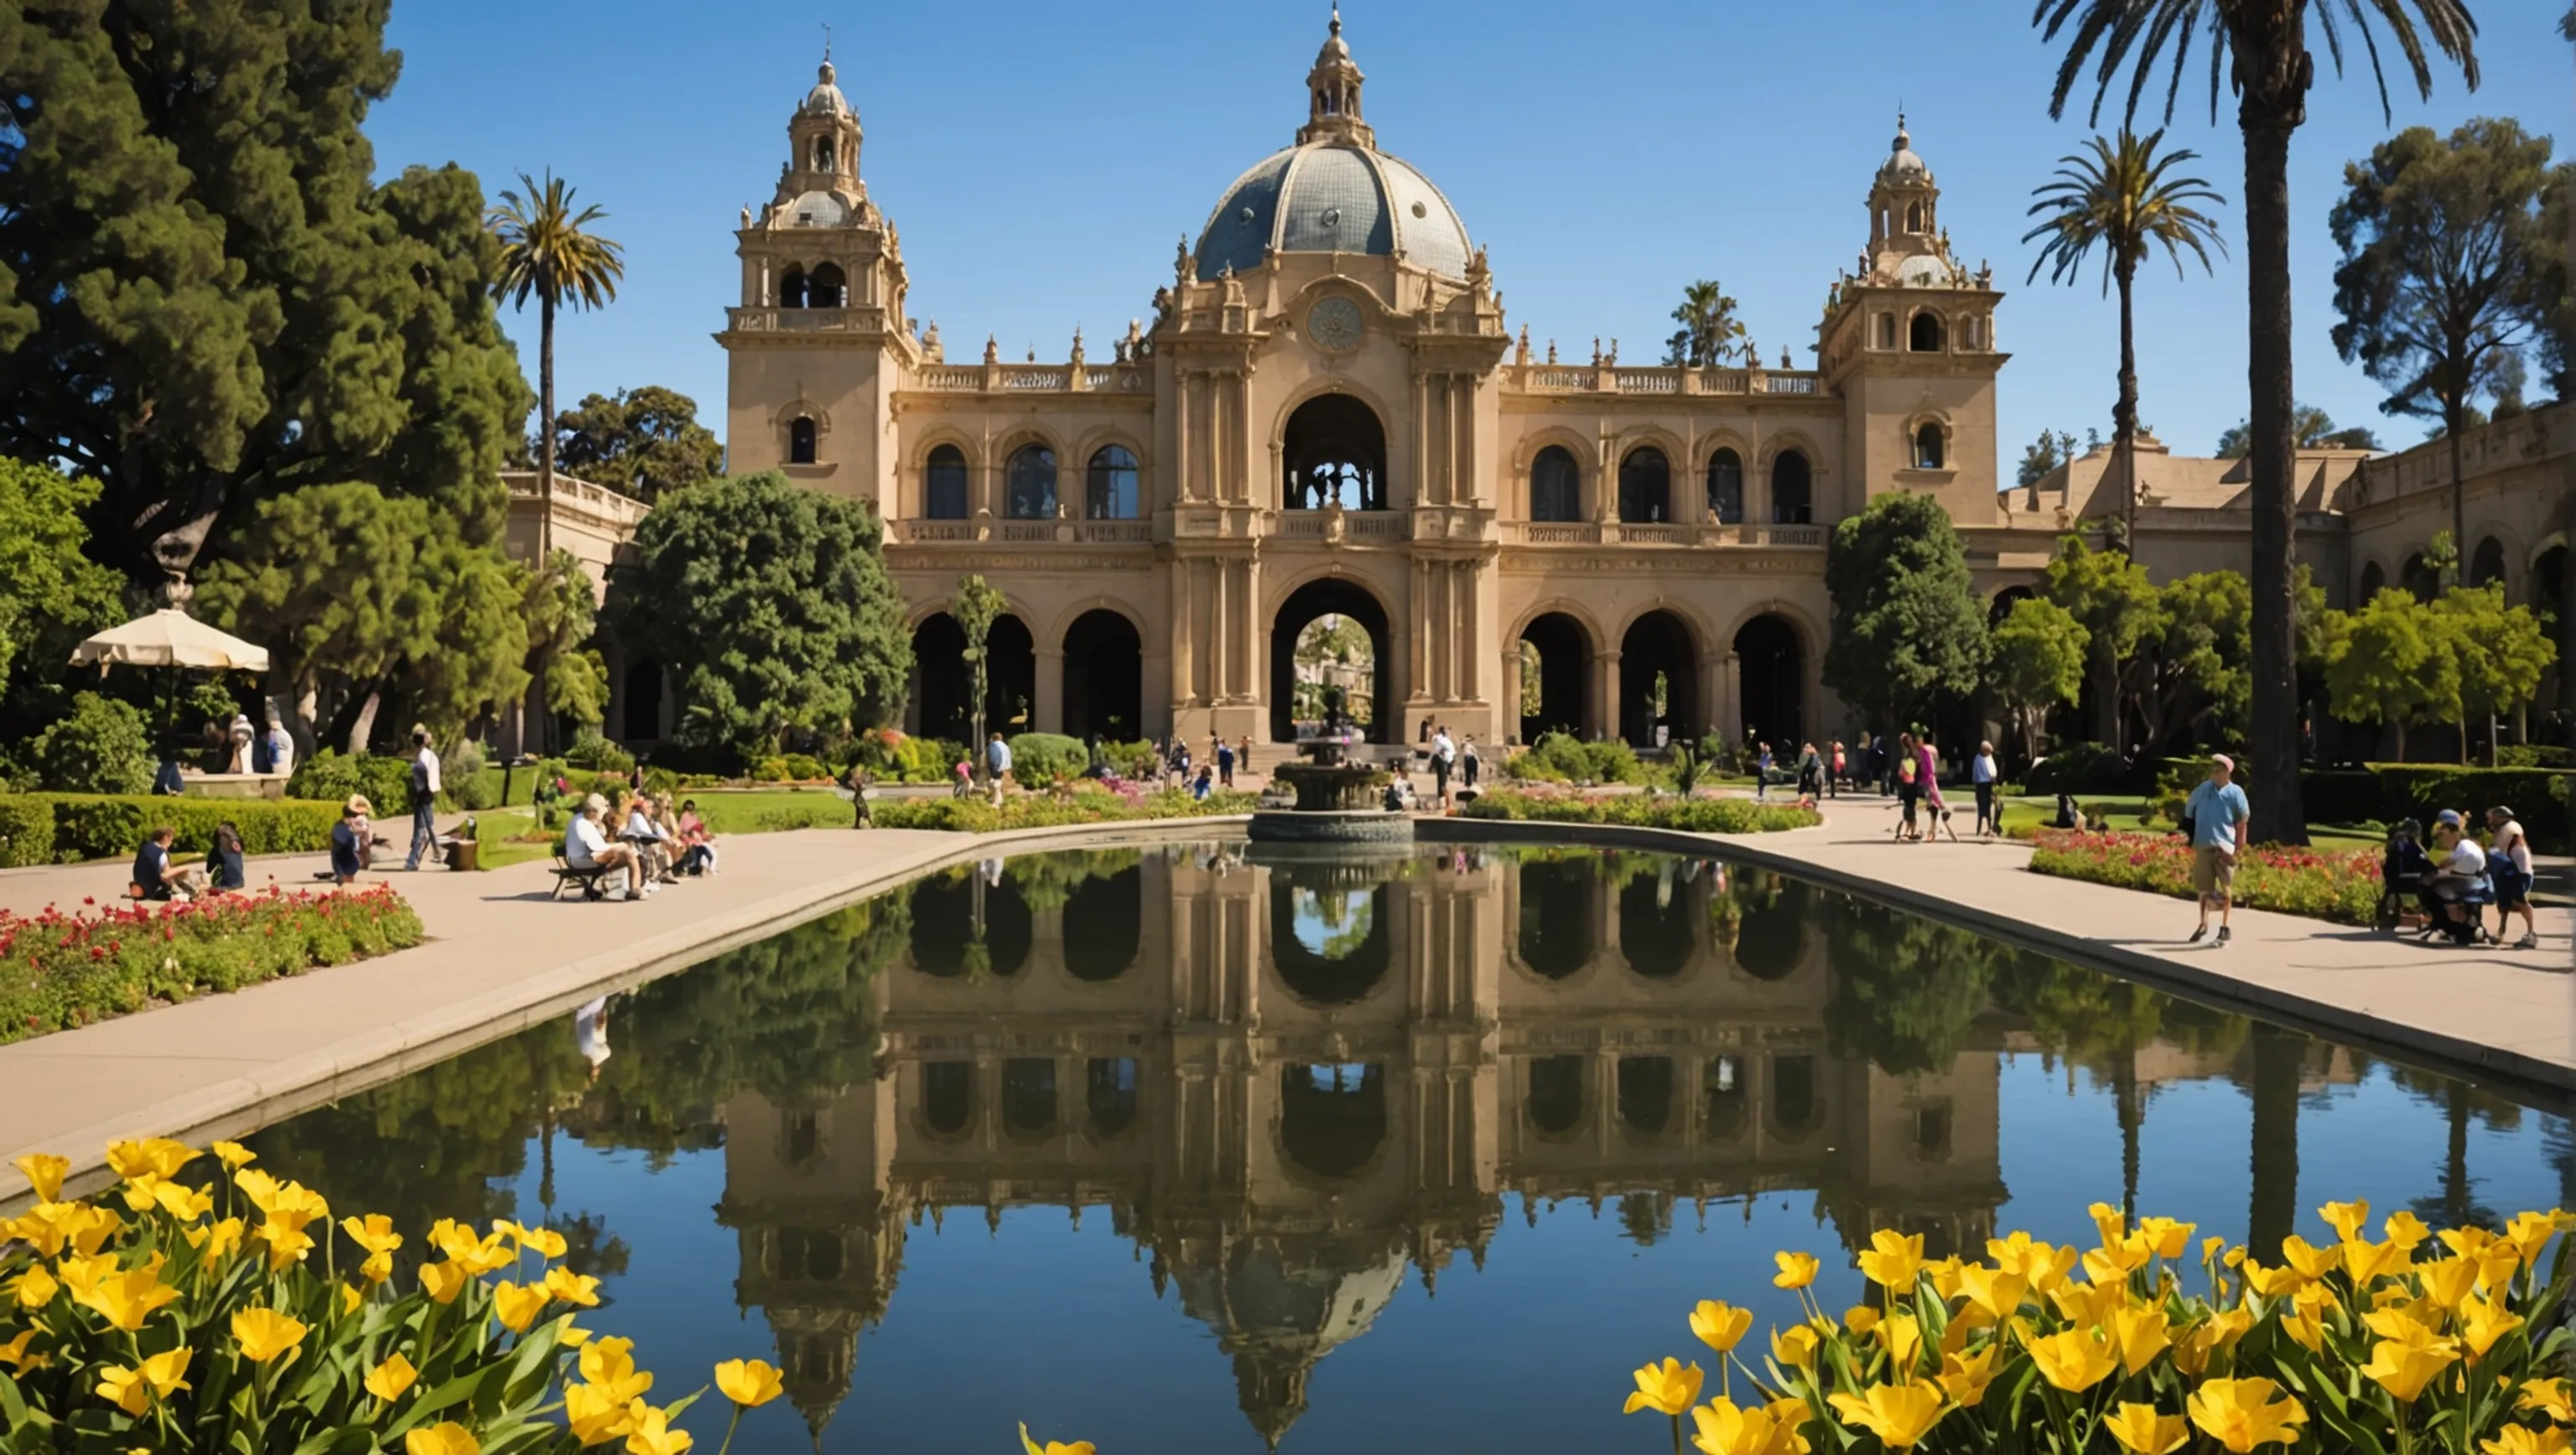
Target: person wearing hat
<point>2217,812</point>
<point>349,839</point>
<point>2509,864</point>
<point>587,846</point>
<point>2459,870</point>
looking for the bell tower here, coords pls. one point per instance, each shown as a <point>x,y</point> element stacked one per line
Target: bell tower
<point>1904,207</point>
<point>824,139</point>
<point>1333,95</point>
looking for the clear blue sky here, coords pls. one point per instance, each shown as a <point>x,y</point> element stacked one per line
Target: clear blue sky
<point>1041,160</point>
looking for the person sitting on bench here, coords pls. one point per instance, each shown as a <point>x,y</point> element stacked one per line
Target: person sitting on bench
<point>586,846</point>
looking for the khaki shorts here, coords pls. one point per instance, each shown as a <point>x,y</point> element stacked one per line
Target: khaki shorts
<point>2213,870</point>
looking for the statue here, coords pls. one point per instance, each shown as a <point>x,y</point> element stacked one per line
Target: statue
<point>1335,717</point>
<point>1551,351</point>
<point>746,217</point>
<point>1784,358</point>
<point>1182,263</point>
<point>1596,351</point>
<point>992,350</point>
<point>1521,354</point>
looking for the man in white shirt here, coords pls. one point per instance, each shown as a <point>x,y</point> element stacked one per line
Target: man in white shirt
<point>586,845</point>
<point>650,844</point>
<point>424,797</point>
<point>1443,753</point>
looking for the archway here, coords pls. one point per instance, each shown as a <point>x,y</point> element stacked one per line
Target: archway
<point>1334,450</point>
<point>1658,923</point>
<point>1923,335</point>
<point>2420,579</point>
<point>1646,1086</point>
<point>1330,597</point>
<point>1335,659</point>
<point>2487,566</point>
<point>1773,671</point>
<point>1556,934</point>
<point>1645,486</point>
<point>1658,682</point>
<point>1104,925</point>
<point>1332,1119</point>
<point>2373,581</point>
<point>2005,600</point>
<point>1556,486</point>
<point>1555,1094</point>
<point>1556,657</point>
<point>1771,932</point>
<point>1110,1094</point>
<point>1332,943</point>
<point>1028,1096</point>
<point>939,691</point>
<point>964,927</point>
<point>1010,678</point>
<point>1104,677</point>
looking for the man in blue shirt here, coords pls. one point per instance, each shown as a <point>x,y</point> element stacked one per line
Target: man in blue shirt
<point>997,759</point>
<point>2218,811</point>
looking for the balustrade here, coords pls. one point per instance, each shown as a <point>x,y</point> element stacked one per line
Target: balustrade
<point>1570,379</point>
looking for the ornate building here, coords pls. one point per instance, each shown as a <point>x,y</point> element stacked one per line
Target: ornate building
<point>1329,414</point>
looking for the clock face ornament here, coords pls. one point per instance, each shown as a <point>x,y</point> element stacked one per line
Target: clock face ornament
<point>1334,324</point>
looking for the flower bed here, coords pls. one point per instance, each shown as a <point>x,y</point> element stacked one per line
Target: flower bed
<point>1691,815</point>
<point>59,970</point>
<point>186,1315</point>
<point>2342,886</point>
<point>1085,802</point>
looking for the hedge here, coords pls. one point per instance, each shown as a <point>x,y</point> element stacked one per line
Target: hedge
<point>66,828</point>
<point>330,776</point>
<point>1637,810</point>
<point>1042,758</point>
<point>1086,804</point>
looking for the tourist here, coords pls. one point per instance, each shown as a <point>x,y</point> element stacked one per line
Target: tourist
<point>1835,770</point>
<point>965,775</point>
<point>1761,771</point>
<point>1811,775</point>
<point>698,847</point>
<point>586,846</point>
<point>1927,781</point>
<point>1982,774</point>
<point>2216,813</point>
<point>424,797</point>
<point>1200,785</point>
<point>154,878</point>
<point>351,839</point>
<point>590,1034</point>
<point>1243,754</point>
<point>2509,863</point>
<point>1224,763</point>
<point>1179,763</point>
<point>281,746</point>
<point>997,760</point>
<point>1444,753</point>
<point>1908,791</point>
<point>2458,883</point>
<point>225,862</point>
<point>647,840</point>
<point>1468,764</point>
<point>1883,762</point>
<point>239,736</point>
<point>859,789</point>
<point>166,779</point>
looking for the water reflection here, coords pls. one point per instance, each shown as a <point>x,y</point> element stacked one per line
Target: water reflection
<point>1294,1083</point>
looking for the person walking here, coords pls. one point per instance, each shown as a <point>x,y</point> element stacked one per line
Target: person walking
<point>2509,867</point>
<point>1468,764</point>
<point>424,797</point>
<point>1761,772</point>
<point>859,797</point>
<point>1224,764</point>
<point>997,762</point>
<point>1834,771</point>
<point>1444,754</point>
<point>1982,774</point>
<point>2217,812</point>
<point>1243,754</point>
<point>1927,777</point>
<point>1909,789</point>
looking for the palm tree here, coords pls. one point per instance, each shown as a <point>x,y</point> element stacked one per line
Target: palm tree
<point>545,251</point>
<point>1708,329</point>
<point>2119,197</point>
<point>2261,47</point>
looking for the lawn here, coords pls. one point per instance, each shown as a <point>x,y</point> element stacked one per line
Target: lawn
<point>510,835</point>
<point>2123,817</point>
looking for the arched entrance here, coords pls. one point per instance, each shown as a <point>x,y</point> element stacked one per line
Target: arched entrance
<point>1334,657</point>
<point>1330,597</point>
<point>1334,451</point>
<point>939,693</point>
<point>1658,682</point>
<point>1010,678</point>
<point>1332,1119</point>
<point>1556,656</point>
<point>1658,922</point>
<point>1104,925</point>
<point>1104,678</point>
<point>1556,932</point>
<point>1332,943</point>
<point>2487,566</point>
<point>1773,672</point>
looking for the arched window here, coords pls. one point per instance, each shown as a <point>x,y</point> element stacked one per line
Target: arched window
<point>1914,217</point>
<point>1793,495</point>
<point>791,287</point>
<point>800,440</point>
<point>1924,334</point>
<point>1556,486</point>
<point>824,287</point>
<point>822,154</point>
<point>1927,446</point>
<point>943,484</point>
<point>1110,492</point>
<point>1726,487</point>
<point>1335,455</point>
<point>1030,484</point>
<point>2374,580</point>
<point>1887,330</point>
<point>2487,565</point>
<point>1645,486</point>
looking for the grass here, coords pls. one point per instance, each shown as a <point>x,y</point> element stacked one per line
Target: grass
<point>511,836</point>
<point>2123,816</point>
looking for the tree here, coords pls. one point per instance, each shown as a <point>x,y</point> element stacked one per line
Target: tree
<point>2261,47</point>
<point>2439,279</point>
<point>1709,327</point>
<point>546,252</point>
<point>2035,663</point>
<point>2110,595</point>
<point>2387,663</point>
<point>645,442</point>
<point>2122,199</point>
<point>2191,658</point>
<point>975,610</point>
<point>2311,428</point>
<point>562,610</point>
<point>772,605</point>
<point>205,296</point>
<point>46,584</point>
<point>1907,621</point>
<point>2500,653</point>
<point>100,746</point>
<point>2043,457</point>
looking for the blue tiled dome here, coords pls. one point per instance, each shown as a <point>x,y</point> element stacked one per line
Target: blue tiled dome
<point>1327,198</point>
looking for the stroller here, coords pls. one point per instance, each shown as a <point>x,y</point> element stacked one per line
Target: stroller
<point>2402,872</point>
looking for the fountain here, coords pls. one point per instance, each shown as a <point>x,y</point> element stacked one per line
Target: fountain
<point>1338,801</point>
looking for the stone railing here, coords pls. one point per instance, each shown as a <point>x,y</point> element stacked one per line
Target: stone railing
<point>581,495</point>
<point>1034,379</point>
<point>1663,533</point>
<point>1657,534</point>
<point>1362,525</point>
<point>1561,532</point>
<point>1023,532</point>
<point>1809,536</point>
<point>803,320</point>
<point>1117,532</point>
<point>928,532</point>
<point>1608,379</point>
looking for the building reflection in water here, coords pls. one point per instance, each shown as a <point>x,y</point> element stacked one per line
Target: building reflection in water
<point>1290,1078</point>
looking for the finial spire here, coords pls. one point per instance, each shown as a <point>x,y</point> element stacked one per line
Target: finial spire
<point>827,42</point>
<point>1337,17</point>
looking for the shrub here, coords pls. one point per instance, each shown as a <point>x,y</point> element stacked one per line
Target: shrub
<point>1563,758</point>
<point>2387,792</point>
<point>1040,758</point>
<point>26,832</point>
<point>2535,755</point>
<point>2079,768</point>
<point>1131,760</point>
<point>100,746</point>
<point>328,776</point>
<point>596,753</point>
<point>461,772</point>
<point>1690,815</point>
<point>791,768</point>
<point>1087,803</point>
<point>73,827</point>
<point>2342,886</point>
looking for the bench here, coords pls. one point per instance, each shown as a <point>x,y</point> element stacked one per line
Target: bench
<point>567,876</point>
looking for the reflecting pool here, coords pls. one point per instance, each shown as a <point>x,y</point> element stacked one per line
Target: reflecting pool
<point>1254,1147</point>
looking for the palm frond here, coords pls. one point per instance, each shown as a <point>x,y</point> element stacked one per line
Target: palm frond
<point>2108,36</point>
<point>548,250</point>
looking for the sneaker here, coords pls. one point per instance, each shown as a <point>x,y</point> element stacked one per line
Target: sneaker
<point>2222,934</point>
<point>2196,935</point>
<point>2527,942</point>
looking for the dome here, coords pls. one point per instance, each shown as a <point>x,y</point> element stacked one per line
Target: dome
<point>826,98</point>
<point>815,209</point>
<point>1902,165</point>
<point>1333,198</point>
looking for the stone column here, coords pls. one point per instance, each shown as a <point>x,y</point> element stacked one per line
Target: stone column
<point>1721,677</point>
<point>1605,692</point>
<point>1048,711</point>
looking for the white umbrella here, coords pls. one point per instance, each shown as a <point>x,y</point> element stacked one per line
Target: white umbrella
<point>171,638</point>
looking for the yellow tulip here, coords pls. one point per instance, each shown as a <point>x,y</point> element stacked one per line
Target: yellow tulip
<point>1669,1388</point>
<point>2346,1218</point>
<point>2243,1413</point>
<point>579,1289</point>
<point>2140,1334</point>
<point>219,1240</point>
<point>2191,1352</point>
<point>653,1435</point>
<point>1797,1270</point>
<point>2448,1281</point>
<point>2405,1229</point>
<point>2168,1238</point>
<point>34,1288</point>
<point>1996,1292</point>
<point>234,1155</point>
<point>2306,1319</point>
<point>1720,1326</point>
<point>595,1414</point>
<point>285,1244</point>
<point>1794,1346</point>
<point>2368,1262</point>
<point>444,1438</point>
<point>2516,1440</point>
<point>749,1383</point>
<point>2142,1431</point>
<point>517,1307</point>
<point>454,1239</point>
<point>183,1202</point>
<point>544,1242</point>
<point>53,1226</point>
<point>45,1172</point>
<point>2403,1366</point>
<point>1894,1260</point>
<point>374,1232</point>
<point>2529,1232</point>
<point>1902,1338</point>
<point>2112,1266</point>
<point>1898,1414</point>
<point>126,1299</point>
<point>133,1390</point>
<point>2042,1265</point>
<point>1944,1273</point>
<point>608,1364</point>
<point>1051,1447</point>
<point>388,1380</point>
<point>350,1298</point>
<point>570,1334</point>
<point>377,1268</point>
<point>1860,1318</point>
<point>16,1352</point>
<point>2073,1360</point>
<point>2483,1321</point>
<point>443,1281</point>
<point>2467,1241</point>
<point>265,1333</point>
<point>2311,1261</point>
<point>1725,1429</point>
<point>1964,1377</point>
<point>158,1156</point>
<point>2273,1282</point>
<point>2549,1397</point>
<point>2088,1303</point>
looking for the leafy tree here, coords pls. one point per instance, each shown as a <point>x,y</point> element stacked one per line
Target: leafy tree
<point>976,608</point>
<point>2122,199</point>
<point>2191,660</point>
<point>2500,652</point>
<point>1907,621</point>
<point>561,611</point>
<point>2439,282</point>
<point>1709,327</point>
<point>2388,663</point>
<point>2110,595</point>
<point>46,584</point>
<point>205,296</point>
<point>645,442</point>
<point>546,251</point>
<point>1906,990</point>
<point>2311,429</point>
<point>100,746</point>
<point>2044,455</point>
<point>2555,281</point>
<point>773,606</point>
<point>2035,663</point>
<point>2261,48</point>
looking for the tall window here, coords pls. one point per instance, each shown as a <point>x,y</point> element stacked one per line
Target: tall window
<point>1030,484</point>
<point>1726,487</point>
<point>1925,334</point>
<point>1927,446</point>
<point>824,287</point>
<point>791,287</point>
<point>943,484</point>
<point>1556,486</point>
<point>1792,490</point>
<point>823,154</point>
<point>800,441</point>
<point>1645,486</point>
<point>1887,330</point>
<point>1111,488</point>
